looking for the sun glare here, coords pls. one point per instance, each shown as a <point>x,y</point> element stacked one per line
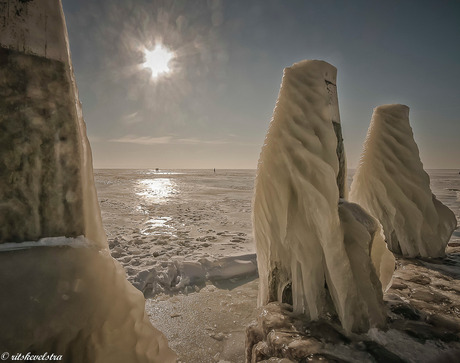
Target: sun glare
<point>158,60</point>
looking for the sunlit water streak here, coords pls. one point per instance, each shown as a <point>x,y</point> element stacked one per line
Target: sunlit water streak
<point>156,191</point>
<point>158,226</point>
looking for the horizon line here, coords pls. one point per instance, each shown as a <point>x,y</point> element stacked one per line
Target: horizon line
<point>159,169</point>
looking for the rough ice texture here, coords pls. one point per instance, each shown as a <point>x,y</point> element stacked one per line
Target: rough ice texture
<point>75,302</point>
<point>422,315</point>
<point>363,237</point>
<point>33,27</point>
<point>42,188</point>
<point>390,183</point>
<point>181,275</point>
<point>279,335</point>
<point>302,236</point>
<point>58,299</point>
<point>47,187</point>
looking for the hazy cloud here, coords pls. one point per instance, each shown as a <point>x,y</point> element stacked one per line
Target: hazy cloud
<point>132,118</point>
<point>145,140</point>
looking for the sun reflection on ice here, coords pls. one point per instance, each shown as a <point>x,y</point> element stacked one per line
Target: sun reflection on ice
<point>156,190</point>
<point>158,226</point>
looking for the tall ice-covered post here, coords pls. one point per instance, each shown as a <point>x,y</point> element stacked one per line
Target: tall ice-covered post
<point>314,249</point>
<point>62,292</point>
<point>391,184</point>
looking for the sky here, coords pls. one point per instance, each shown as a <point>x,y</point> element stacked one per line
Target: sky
<point>214,107</point>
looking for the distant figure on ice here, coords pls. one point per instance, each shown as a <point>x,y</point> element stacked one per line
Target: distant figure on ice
<point>214,170</point>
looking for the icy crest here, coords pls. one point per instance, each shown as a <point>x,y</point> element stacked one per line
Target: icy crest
<point>390,183</point>
<point>328,256</point>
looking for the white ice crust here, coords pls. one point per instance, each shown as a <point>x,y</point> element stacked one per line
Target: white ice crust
<point>301,233</point>
<point>75,242</point>
<point>391,185</point>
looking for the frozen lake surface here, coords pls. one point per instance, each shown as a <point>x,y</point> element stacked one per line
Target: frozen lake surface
<point>194,213</point>
<point>159,221</point>
<point>156,219</point>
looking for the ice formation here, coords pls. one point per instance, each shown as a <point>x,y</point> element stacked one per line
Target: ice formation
<point>181,275</point>
<point>328,255</point>
<point>62,293</point>
<point>390,183</point>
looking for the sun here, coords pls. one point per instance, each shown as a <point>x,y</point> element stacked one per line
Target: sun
<point>158,60</point>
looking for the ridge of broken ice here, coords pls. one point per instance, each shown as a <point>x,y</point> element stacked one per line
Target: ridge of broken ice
<point>184,275</point>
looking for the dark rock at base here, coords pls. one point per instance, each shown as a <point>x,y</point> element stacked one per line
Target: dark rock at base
<point>279,335</point>
<point>405,310</point>
<point>447,357</point>
<point>380,354</point>
<point>430,297</point>
<point>324,331</point>
<point>421,280</point>
<point>399,286</point>
<point>442,322</point>
<point>321,358</point>
<point>423,331</point>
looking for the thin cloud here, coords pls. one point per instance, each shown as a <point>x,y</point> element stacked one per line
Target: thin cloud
<point>145,140</point>
<point>199,142</point>
<point>132,118</point>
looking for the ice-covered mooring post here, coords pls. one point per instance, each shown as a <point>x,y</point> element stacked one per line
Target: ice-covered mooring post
<point>62,293</point>
<point>315,250</point>
<point>390,184</point>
